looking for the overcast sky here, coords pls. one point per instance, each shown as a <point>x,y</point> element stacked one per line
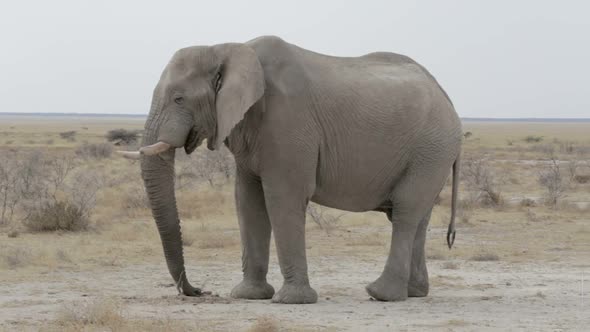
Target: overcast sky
<point>495,59</point>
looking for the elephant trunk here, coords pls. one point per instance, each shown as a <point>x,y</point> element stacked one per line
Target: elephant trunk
<point>157,172</point>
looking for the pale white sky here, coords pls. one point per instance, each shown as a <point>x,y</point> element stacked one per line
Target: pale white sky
<point>501,58</point>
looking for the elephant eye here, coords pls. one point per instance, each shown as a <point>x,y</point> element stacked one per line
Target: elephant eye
<point>217,82</point>
<point>179,100</point>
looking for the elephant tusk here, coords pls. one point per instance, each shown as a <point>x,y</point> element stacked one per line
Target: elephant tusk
<point>135,155</point>
<point>154,149</point>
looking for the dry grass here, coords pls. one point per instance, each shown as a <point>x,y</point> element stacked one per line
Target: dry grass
<point>265,324</point>
<point>16,257</point>
<point>485,257</point>
<point>108,314</point>
<point>450,266</point>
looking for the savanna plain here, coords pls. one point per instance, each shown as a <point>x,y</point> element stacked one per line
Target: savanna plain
<point>79,249</point>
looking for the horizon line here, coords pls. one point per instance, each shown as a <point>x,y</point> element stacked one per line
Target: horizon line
<point>138,115</point>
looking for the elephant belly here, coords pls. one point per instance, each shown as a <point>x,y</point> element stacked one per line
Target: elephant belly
<point>356,191</point>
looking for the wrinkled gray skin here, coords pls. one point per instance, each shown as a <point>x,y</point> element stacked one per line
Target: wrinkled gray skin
<point>374,132</point>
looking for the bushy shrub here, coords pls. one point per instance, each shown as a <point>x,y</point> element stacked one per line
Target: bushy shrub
<point>554,182</point>
<point>123,136</point>
<point>482,182</point>
<point>322,218</point>
<point>57,216</point>
<point>533,139</point>
<point>95,151</point>
<point>214,167</point>
<point>68,135</point>
<point>48,193</point>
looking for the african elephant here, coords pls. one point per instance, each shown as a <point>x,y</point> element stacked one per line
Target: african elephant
<point>368,133</point>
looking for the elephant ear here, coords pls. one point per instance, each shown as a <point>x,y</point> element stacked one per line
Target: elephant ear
<point>242,84</point>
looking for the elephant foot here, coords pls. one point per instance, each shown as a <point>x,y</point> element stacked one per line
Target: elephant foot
<point>418,288</point>
<point>387,290</point>
<point>253,290</point>
<point>295,294</point>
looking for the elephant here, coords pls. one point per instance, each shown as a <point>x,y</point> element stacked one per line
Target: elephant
<point>369,133</point>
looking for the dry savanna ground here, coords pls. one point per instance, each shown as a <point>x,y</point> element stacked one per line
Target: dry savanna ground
<point>79,250</point>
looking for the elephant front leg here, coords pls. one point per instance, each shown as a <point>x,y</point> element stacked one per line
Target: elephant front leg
<point>255,230</point>
<point>287,215</point>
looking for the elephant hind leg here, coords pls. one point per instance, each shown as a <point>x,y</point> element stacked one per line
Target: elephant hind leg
<point>418,284</point>
<point>405,272</point>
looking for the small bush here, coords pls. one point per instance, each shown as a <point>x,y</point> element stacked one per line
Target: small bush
<point>533,139</point>
<point>265,324</point>
<point>95,151</point>
<point>16,257</point>
<point>69,136</point>
<point>482,182</point>
<point>467,134</point>
<point>57,216</point>
<point>99,313</point>
<point>450,266</point>
<point>123,136</point>
<point>553,182</point>
<point>136,198</point>
<point>527,202</point>
<point>485,257</point>
<point>582,179</point>
<point>322,218</point>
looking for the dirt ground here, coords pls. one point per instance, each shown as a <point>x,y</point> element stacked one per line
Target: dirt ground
<point>466,295</point>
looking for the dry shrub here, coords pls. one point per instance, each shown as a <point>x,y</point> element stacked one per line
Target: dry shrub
<point>582,179</point>
<point>95,151</point>
<point>531,216</point>
<point>265,324</point>
<point>575,168</point>
<point>57,216</point>
<point>450,266</point>
<point>367,240</point>
<point>214,167</point>
<point>543,148</point>
<point>435,256</point>
<point>16,257</point>
<point>320,215</point>
<point>136,198</point>
<point>482,182</point>
<point>214,241</point>
<point>105,313</point>
<point>122,136</point>
<point>533,139</point>
<point>527,202</point>
<point>554,182</point>
<point>485,257</point>
<point>69,136</point>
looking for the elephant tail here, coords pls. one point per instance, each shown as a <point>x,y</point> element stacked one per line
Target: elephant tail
<point>455,188</point>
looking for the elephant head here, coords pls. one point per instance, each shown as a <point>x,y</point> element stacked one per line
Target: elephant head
<point>202,94</point>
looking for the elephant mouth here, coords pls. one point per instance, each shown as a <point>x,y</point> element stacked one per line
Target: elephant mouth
<point>193,141</point>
